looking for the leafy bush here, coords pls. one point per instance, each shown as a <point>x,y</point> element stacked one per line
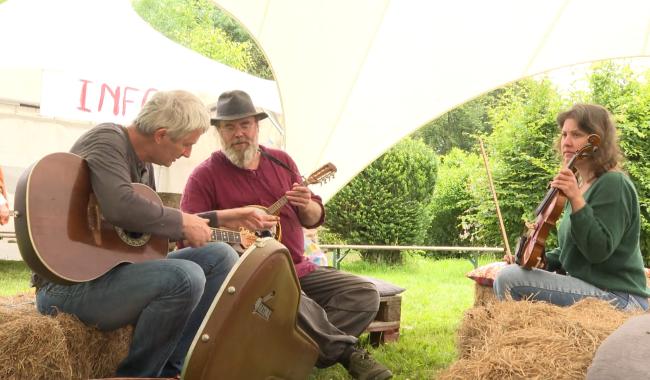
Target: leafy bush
<point>206,29</point>
<point>326,236</point>
<point>522,160</point>
<point>617,89</point>
<point>458,173</point>
<point>386,204</point>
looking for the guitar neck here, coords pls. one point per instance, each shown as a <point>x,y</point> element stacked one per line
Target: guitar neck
<point>274,209</point>
<point>225,236</point>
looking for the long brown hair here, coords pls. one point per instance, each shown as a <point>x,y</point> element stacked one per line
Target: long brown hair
<point>596,119</point>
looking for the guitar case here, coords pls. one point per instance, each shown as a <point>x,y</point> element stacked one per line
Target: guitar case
<point>250,331</point>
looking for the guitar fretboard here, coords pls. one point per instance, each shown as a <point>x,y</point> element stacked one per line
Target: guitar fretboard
<point>322,174</point>
<point>226,236</point>
<point>274,209</point>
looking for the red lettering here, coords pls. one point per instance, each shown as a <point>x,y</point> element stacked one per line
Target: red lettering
<point>121,96</point>
<point>114,94</point>
<point>146,95</point>
<point>124,98</point>
<point>82,98</point>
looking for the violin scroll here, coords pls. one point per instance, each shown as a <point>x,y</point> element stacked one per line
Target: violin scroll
<point>593,142</point>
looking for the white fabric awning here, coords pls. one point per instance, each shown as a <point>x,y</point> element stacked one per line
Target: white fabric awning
<point>357,76</point>
<point>74,63</point>
<point>106,41</point>
<point>353,77</point>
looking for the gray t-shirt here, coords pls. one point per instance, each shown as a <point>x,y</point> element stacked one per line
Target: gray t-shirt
<point>114,165</point>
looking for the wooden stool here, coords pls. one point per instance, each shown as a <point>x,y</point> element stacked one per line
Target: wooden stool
<point>385,327</point>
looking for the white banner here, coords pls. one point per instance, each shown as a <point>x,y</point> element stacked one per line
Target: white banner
<point>73,96</point>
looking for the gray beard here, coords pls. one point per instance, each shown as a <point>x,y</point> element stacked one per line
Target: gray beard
<point>240,159</point>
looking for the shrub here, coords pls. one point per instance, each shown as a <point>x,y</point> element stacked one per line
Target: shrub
<point>458,173</point>
<point>386,204</point>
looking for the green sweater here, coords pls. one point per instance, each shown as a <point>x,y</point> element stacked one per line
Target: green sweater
<point>599,244</point>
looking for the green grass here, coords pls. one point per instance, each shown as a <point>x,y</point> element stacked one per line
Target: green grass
<point>432,307</point>
<point>14,278</point>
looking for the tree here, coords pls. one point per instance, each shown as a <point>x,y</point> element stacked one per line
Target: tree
<point>202,27</point>
<point>616,88</point>
<point>258,64</point>
<point>386,204</point>
<point>459,172</point>
<point>522,155</point>
<point>459,127</point>
<point>522,158</point>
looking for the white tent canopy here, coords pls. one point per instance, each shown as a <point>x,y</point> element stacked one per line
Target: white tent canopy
<point>56,57</point>
<point>353,77</point>
<point>357,76</point>
<point>107,38</point>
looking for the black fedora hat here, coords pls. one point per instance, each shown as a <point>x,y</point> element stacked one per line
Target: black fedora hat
<point>233,105</point>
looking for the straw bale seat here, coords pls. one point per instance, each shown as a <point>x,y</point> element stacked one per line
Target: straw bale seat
<point>516,340</point>
<point>33,346</point>
<point>501,340</point>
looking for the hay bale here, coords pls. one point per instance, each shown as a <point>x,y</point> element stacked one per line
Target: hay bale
<point>483,295</point>
<point>33,346</point>
<point>170,199</point>
<point>515,340</point>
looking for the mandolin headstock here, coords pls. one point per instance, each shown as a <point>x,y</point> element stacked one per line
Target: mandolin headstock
<point>322,175</point>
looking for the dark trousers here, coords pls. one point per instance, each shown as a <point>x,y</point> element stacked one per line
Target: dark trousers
<point>335,308</point>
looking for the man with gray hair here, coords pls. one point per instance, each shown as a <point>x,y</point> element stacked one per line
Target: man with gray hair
<point>166,300</point>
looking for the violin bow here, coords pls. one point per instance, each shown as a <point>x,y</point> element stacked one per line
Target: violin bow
<point>504,235</point>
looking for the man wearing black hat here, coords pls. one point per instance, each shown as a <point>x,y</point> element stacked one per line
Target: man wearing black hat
<point>336,307</point>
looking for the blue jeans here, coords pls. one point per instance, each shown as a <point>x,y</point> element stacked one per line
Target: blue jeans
<point>166,300</point>
<point>539,285</point>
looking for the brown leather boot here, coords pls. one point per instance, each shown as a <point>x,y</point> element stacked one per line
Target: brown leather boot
<point>364,367</point>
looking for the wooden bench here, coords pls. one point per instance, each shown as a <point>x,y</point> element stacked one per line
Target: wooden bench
<point>385,327</point>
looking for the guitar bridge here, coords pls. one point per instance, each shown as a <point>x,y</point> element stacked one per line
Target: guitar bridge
<point>94,219</point>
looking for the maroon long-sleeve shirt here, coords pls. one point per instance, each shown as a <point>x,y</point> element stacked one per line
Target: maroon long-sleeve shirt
<point>217,184</point>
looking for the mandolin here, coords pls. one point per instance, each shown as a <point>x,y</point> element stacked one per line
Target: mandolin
<point>323,174</point>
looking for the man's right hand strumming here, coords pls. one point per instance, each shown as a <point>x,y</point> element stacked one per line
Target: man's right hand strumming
<point>195,230</point>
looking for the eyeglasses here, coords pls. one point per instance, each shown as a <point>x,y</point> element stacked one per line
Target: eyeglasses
<point>232,128</point>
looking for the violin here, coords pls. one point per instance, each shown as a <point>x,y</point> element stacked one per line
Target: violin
<point>530,248</point>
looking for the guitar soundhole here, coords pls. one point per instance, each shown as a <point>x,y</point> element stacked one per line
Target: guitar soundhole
<point>134,239</point>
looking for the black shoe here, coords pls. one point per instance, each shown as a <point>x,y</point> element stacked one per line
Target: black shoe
<point>363,367</point>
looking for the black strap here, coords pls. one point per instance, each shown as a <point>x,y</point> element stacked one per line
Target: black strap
<point>275,160</point>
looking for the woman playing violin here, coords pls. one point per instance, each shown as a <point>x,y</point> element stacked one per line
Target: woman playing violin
<point>598,234</point>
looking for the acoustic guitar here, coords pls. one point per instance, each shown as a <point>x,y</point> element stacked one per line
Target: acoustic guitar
<point>322,175</point>
<point>60,230</point>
